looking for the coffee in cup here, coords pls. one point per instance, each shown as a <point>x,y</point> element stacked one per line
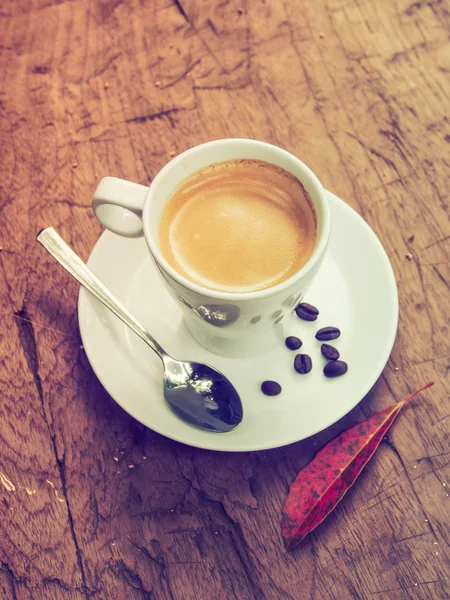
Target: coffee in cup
<point>239,225</point>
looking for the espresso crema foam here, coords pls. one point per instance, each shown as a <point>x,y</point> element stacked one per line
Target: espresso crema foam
<point>238,226</point>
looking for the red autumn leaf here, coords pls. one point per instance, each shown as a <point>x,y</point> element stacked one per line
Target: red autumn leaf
<point>319,487</point>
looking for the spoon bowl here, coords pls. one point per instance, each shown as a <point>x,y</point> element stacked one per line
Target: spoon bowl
<point>197,391</point>
<point>198,394</point>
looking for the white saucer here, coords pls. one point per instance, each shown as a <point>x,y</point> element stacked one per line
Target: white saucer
<point>355,291</point>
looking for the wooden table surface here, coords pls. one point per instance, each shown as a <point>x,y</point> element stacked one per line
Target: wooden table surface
<point>359,90</point>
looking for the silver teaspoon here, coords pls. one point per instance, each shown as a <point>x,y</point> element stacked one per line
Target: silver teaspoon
<point>198,394</point>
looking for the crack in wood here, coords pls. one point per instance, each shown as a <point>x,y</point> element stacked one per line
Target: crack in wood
<point>160,565</point>
<point>412,537</point>
<point>181,10</point>
<point>408,587</point>
<point>437,242</point>
<point>182,76</point>
<point>212,27</point>
<point>12,579</point>
<point>158,115</point>
<point>57,581</point>
<point>100,70</point>
<point>28,342</point>
<point>131,577</point>
<point>237,538</point>
<point>444,281</point>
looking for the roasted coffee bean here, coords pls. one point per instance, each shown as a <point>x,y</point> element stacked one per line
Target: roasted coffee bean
<point>329,352</point>
<point>270,388</point>
<point>302,364</point>
<point>327,333</point>
<point>335,368</point>
<point>307,312</point>
<point>293,343</point>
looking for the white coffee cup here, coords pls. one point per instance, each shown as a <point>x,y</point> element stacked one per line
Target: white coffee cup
<point>231,324</point>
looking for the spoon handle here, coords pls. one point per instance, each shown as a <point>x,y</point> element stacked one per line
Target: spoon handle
<point>66,257</point>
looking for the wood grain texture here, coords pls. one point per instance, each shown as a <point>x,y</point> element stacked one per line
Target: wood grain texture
<point>358,89</point>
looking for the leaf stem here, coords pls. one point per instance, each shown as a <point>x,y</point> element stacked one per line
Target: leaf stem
<point>414,394</point>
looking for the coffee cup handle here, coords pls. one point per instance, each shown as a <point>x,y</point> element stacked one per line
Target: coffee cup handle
<point>118,205</point>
